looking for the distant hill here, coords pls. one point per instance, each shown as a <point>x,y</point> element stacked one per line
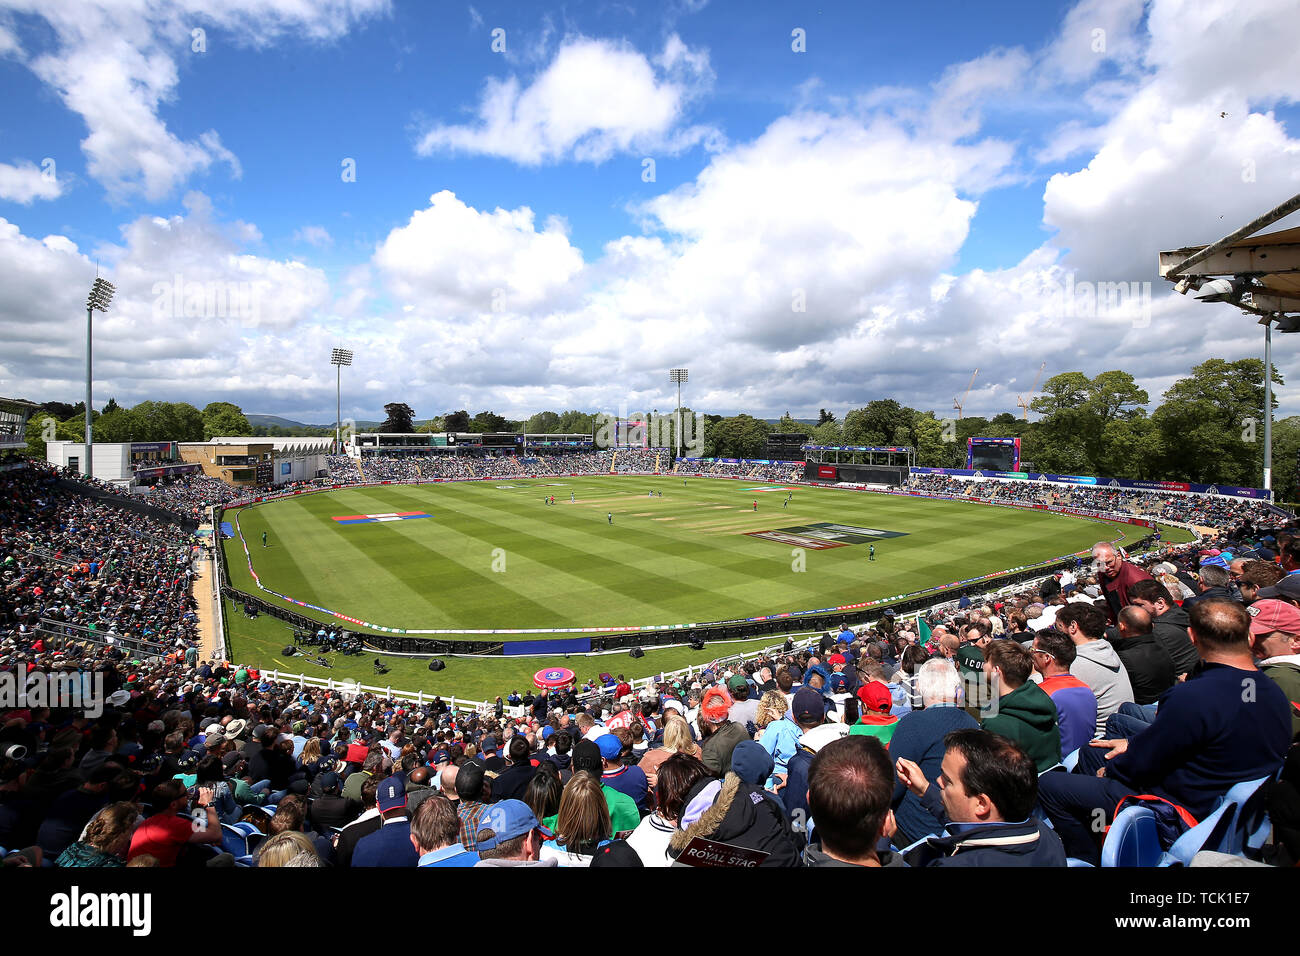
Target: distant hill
<point>810,422</point>
<point>275,421</point>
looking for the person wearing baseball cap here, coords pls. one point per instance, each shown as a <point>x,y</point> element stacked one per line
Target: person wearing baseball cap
<point>1288,590</point>
<point>391,844</point>
<point>808,711</point>
<point>875,721</point>
<point>623,813</point>
<point>627,779</point>
<point>1275,642</point>
<point>330,809</point>
<point>513,836</point>
<point>745,709</point>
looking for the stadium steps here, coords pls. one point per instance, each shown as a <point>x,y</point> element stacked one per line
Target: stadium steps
<point>205,611</point>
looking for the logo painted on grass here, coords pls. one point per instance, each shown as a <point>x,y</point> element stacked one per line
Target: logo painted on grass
<point>769,488</point>
<point>824,534</point>
<point>796,540</point>
<point>371,519</point>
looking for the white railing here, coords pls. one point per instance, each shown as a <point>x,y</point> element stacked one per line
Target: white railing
<point>418,696</point>
<point>218,603</point>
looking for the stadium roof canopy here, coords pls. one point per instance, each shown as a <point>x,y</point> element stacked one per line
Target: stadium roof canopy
<point>1259,274</point>
<point>14,413</point>
<point>294,446</point>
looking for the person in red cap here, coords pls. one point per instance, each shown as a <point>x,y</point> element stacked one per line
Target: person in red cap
<point>1275,642</point>
<point>875,720</point>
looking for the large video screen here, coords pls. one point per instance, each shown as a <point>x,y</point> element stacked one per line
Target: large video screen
<point>993,454</point>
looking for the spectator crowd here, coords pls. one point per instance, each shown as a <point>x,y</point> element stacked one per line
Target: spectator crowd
<point>1217,512</point>
<point>997,730</point>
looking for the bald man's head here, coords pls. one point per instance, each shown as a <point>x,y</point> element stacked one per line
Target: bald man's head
<point>419,776</point>
<point>447,781</point>
<point>1219,626</point>
<point>1134,621</point>
<point>1105,553</point>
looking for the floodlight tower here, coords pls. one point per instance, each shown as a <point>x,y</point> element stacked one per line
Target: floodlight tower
<point>101,297</point>
<point>678,376</point>
<point>339,358</point>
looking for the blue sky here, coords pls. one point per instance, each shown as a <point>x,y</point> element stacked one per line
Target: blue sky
<point>873,216</point>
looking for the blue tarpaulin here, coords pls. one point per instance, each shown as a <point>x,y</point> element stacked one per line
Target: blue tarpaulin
<point>570,645</point>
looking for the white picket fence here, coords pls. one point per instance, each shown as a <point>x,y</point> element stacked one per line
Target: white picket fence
<point>419,697</point>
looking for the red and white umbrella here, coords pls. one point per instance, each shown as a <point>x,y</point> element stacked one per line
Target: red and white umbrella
<point>551,678</point>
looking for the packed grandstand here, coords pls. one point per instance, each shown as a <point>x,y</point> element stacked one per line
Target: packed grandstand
<point>824,751</point>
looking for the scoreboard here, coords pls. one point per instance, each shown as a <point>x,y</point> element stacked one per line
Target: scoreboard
<point>993,454</point>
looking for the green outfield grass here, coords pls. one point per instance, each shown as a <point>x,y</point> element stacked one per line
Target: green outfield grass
<point>492,554</point>
<point>260,643</point>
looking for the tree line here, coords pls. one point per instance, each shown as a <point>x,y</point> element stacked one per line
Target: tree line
<point>1208,427</point>
<point>147,421</point>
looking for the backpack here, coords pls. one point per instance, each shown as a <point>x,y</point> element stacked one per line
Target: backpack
<point>1172,821</point>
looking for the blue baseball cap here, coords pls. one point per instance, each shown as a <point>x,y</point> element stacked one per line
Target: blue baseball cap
<point>547,732</point>
<point>807,703</point>
<point>609,746</point>
<point>508,819</point>
<point>391,793</point>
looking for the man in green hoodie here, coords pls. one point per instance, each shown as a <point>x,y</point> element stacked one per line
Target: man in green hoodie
<point>1023,711</point>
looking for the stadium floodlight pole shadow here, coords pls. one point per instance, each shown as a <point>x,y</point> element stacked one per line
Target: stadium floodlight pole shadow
<point>339,358</point>
<point>101,296</point>
<point>1257,274</point>
<point>678,376</point>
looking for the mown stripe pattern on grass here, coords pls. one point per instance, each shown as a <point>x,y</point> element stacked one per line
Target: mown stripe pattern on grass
<point>494,557</point>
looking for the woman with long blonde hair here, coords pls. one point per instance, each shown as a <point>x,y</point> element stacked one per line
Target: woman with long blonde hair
<point>310,754</point>
<point>288,848</point>
<point>780,736</point>
<point>583,823</point>
<point>677,740</point>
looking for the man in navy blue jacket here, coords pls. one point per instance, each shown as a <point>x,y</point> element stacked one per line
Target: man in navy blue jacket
<point>391,844</point>
<point>985,797</point>
<point>1226,724</point>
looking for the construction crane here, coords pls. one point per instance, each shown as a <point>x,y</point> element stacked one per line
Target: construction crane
<point>958,403</point>
<point>1024,406</point>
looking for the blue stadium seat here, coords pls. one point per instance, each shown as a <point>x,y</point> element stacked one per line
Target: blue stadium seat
<point>1250,824</point>
<point>235,836</point>
<point>1132,840</point>
<point>1239,825</point>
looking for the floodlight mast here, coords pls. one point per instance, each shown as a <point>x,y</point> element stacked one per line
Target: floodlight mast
<point>1268,406</point>
<point>339,358</point>
<point>678,376</point>
<point>101,297</point>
